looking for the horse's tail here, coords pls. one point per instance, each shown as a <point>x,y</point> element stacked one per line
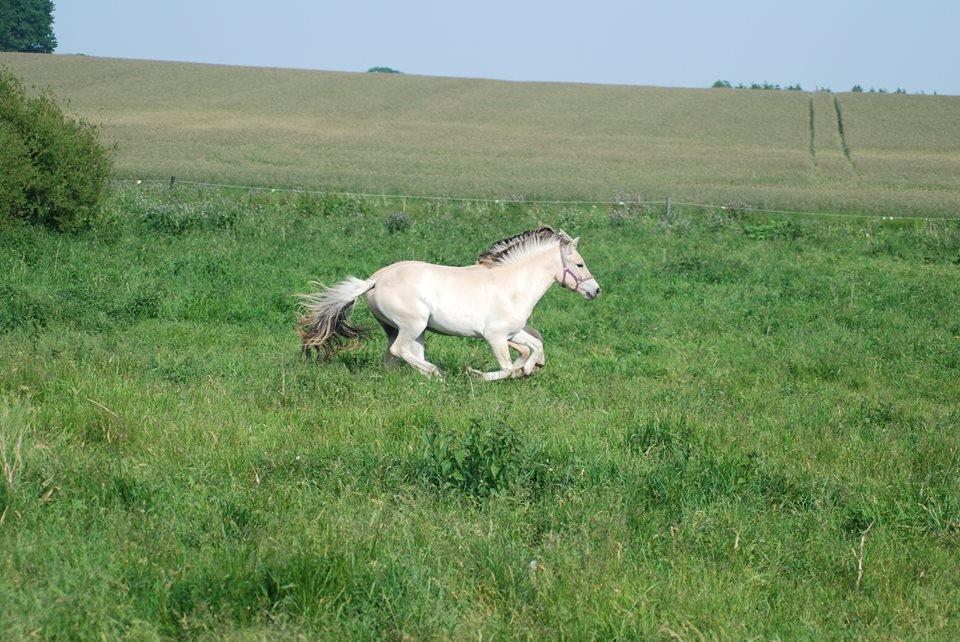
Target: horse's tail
<point>323,324</point>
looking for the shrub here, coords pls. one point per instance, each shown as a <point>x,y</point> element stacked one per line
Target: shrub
<point>722,84</point>
<point>17,169</point>
<point>857,89</point>
<point>398,222</point>
<point>54,168</point>
<point>383,70</point>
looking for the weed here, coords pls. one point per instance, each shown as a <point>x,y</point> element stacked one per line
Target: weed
<point>487,459</point>
<point>181,218</point>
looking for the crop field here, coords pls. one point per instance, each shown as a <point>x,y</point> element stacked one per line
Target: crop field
<point>460,137</point>
<point>754,431</point>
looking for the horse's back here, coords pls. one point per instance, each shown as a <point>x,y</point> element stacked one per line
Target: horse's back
<point>445,297</point>
<point>404,272</point>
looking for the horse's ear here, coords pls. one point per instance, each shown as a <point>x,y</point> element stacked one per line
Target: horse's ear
<point>575,241</point>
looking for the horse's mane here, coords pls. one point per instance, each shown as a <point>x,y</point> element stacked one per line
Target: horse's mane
<point>517,245</point>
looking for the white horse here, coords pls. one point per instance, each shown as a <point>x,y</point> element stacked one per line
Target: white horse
<point>491,300</point>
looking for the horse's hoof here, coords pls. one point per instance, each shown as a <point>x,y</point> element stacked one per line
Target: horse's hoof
<point>475,373</point>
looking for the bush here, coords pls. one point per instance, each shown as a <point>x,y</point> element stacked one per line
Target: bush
<point>54,168</point>
<point>398,222</point>
<point>17,169</point>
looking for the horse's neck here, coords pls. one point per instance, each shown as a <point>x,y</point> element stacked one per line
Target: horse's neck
<point>531,277</point>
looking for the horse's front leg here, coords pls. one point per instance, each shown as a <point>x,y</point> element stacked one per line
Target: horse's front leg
<point>534,351</point>
<point>525,350</point>
<point>523,356</point>
<point>501,351</point>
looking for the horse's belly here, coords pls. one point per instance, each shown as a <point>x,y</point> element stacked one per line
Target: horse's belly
<point>456,323</point>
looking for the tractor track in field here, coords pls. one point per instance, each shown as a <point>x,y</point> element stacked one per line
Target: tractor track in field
<point>813,146</point>
<point>843,135</point>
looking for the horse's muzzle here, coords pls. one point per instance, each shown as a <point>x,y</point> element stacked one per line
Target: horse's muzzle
<point>591,290</point>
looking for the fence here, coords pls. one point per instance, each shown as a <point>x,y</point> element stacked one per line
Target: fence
<point>668,202</point>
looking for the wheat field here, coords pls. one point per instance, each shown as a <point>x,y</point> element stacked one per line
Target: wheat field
<point>462,137</point>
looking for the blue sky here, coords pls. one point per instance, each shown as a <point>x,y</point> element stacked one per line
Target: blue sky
<point>688,43</point>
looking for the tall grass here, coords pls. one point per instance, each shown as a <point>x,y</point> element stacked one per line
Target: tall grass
<point>708,447</point>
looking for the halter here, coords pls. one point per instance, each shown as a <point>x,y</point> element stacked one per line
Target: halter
<point>566,270</point>
<point>576,279</point>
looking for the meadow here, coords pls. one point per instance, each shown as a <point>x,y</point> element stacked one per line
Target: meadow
<point>468,137</point>
<point>753,432</point>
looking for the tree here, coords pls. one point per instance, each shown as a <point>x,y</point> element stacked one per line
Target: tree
<point>722,84</point>
<point>383,70</point>
<point>27,25</point>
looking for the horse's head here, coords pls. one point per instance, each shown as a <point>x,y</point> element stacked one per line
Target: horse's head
<point>574,274</point>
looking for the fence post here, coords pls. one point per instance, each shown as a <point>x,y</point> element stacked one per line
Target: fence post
<point>669,206</point>
<point>173,179</point>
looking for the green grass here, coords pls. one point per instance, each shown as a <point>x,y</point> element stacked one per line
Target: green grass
<point>461,137</point>
<point>700,457</point>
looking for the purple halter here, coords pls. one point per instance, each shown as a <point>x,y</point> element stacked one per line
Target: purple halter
<point>566,270</point>
<point>576,279</point>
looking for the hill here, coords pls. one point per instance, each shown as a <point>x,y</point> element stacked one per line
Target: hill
<point>400,133</point>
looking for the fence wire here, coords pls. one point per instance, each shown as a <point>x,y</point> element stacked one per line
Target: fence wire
<point>503,201</point>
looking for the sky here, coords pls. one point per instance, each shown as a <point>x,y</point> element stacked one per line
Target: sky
<point>683,43</point>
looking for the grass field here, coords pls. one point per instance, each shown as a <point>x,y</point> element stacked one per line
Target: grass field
<point>449,136</point>
<point>753,432</point>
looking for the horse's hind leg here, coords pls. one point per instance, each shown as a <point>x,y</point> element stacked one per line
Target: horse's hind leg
<point>409,347</point>
<point>389,359</point>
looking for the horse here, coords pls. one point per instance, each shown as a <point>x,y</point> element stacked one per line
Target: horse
<point>492,300</point>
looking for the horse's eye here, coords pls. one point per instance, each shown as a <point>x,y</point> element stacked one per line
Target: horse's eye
<point>579,264</point>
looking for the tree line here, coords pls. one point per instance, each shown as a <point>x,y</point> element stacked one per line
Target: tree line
<point>857,89</point>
